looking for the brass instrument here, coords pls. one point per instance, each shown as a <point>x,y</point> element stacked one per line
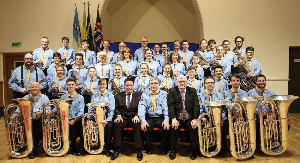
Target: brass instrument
<point>19,127</point>
<point>210,134</point>
<point>93,130</point>
<point>56,128</point>
<point>116,88</point>
<point>274,126</point>
<point>202,59</point>
<point>242,127</point>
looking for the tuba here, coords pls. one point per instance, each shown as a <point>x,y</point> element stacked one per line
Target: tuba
<point>242,128</point>
<point>19,127</point>
<point>274,126</point>
<point>210,134</point>
<point>93,131</point>
<point>56,128</point>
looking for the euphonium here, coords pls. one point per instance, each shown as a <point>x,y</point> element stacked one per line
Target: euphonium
<point>56,128</point>
<point>274,126</point>
<point>93,131</point>
<point>210,134</point>
<point>19,127</point>
<point>242,128</point>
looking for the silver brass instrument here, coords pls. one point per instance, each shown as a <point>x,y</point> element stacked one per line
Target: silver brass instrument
<point>116,87</point>
<point>93,130</point>
<point>19,127</point>
<point>274,126</point>
<point>210,134</point>
<point>242,127</point>
<point>56,128</point>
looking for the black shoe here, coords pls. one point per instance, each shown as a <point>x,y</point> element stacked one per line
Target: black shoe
<point>139,155</point>
<point>172,155</point>
<point>114,155</point>
<point>149,151</point>
<point>164,152</point>
<point>31,155</point>
<point>79,153</point>
<point>192,155</point>
<point>108,153</point>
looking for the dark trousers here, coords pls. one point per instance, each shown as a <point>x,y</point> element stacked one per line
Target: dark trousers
<point>76,131</point>
<point>156,122</point>
<point>108,135</point>
<point>118,127</point>
<point>36,132</point>
<point>192,135</point>
<point>225,132</point>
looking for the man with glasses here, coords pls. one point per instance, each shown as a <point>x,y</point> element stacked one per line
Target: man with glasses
<point>22,77</point>
<point>164,56</point>
<point>139,54</point>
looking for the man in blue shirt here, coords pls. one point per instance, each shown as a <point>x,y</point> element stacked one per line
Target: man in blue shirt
<point>68,54</point>
<point>43,56</point>
<point>89,57</point>
<point>139,54</point>
<point>153,112</point>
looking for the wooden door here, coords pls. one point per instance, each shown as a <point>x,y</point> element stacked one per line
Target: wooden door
<point>294,76</point>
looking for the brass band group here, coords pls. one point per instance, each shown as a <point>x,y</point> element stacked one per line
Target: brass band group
<point>208,94</point>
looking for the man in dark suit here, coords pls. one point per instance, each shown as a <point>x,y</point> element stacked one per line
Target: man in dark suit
<point>126,112</point>
<point>184,111</point>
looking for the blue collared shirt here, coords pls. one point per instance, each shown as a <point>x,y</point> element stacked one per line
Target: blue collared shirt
<point>231,57</point>
<point>51,71</point>
<point>104,70</point>
<point>255,92</point>
<point>160,59</point>
<point>15,80</point>
<point>38,54</point>
<point>56,81</point>
<point>71,54</point>
<point>154,66</point>
<point>221,86</point>
<point>76,107</point>
<point>89,58</point>
<point>81,72</point>
<point>87,84</point>
<point>138,83</point>
<point>111,58</point>
<point>145,106</point>
<point>186,56</point>
<point>107,97</point>
<point>38,103</point>
<point>180,69</point>
<point>163,80</point>
<point>133,67</point>
<point>203,97</point>
<point>120,82</point>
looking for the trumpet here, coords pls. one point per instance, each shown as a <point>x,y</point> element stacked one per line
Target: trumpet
<point>93,131</point>
<point>242,128</point>
<point>56,128</point>
<point>19,127</point>
<point>210,135</point>
<point>274,126</point>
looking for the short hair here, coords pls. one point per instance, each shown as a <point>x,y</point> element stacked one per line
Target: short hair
<point>79,54</point>
<point>191,68</point>
<point>143,63</point>
<point>250,48</point>
<point>211,41</point>
<point>218,66</point>
<point>60,66</point>
<point>101,80</point>
<point>238,37</point>
<point>45,37</point>
<point>65,38</point>
<point>118,64</point>
<point>92,68</point>
<point>209,77</point>
<point>225,41</point>
<point>164,44</point>
<point>106,41</point>
<point>236,76</point>
<point>153,79</point>
<point>84,41</point>
<point>184,41</point>
<point>181,76</point>
<point>260,75</point>
<point>56,54</point>
<point>130,78</point>
<point>70,79</point>
<point>176,41</point>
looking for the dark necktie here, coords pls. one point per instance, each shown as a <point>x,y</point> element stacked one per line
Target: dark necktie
<point>183,115</point>
<point>128,100</point>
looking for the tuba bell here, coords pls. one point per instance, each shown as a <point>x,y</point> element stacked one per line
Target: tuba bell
<point>274,126</point>
<point>56,128</point>
<point>93,131</point>
<point>210,134</point>
<point>19,127</point>
<point>242,128</point>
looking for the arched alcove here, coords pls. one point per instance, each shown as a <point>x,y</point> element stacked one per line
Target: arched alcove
<point>159,20</point>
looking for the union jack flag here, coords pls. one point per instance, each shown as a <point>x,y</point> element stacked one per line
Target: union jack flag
<point>98,35</point>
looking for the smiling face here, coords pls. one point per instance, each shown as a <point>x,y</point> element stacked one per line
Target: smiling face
<point>144,42</point>
<point>261,82</point>
<point>118,70</point>
<point>79,60</point>
<point>220,51</point>
<point>192,73</point>
<point>35,88</point>
<point>218,72</point>
<point>203,44</point>
<point>60,71</point>
<point>175,57</point>
<point>28,60</point>
<point>44,43</point>
<point>181,83</point>
<point>185,46</point>
<point>85,45</point>
<point>209,84</point>
<point>129,87</point>
<point>144,68</point>
<point>92,72</point>
<point>249,54</point>
<point>235,82</point>
<point>102,86</point>
<point>167,69</point>
<point>154,84</point>
<point>71,85</point>
<point>226,45</point>
<point>65,43</point>
<point>239,42</point>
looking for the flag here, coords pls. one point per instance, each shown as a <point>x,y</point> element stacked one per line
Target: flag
<point>90,38</point>
<point>76,26</point>
<point>98,32</point>
<point>84,34</point>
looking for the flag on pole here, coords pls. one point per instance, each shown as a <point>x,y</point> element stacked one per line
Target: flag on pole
<point>84,34</point>
<point>90,38</point>
<point>76,26</point>
<point>98,32</point>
